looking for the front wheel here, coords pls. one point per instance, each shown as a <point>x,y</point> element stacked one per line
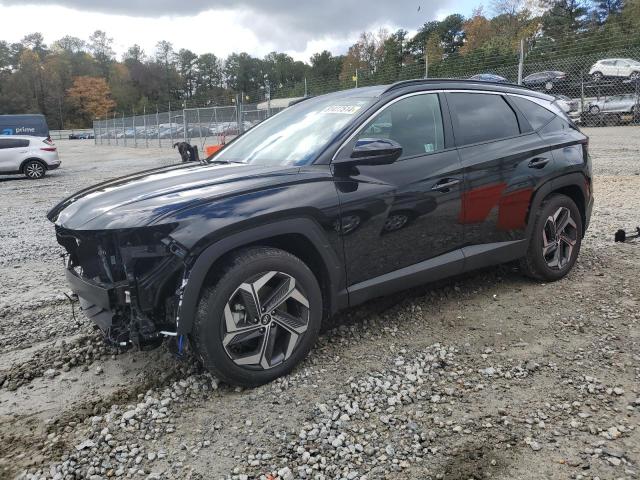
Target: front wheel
<point>635,76</point>
<point>555,240</point>
<point>259,317</point>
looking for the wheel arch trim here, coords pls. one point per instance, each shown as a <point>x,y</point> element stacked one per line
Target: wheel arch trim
<point>30,159</point>
<point>306,227</point>
<point>575,179</point>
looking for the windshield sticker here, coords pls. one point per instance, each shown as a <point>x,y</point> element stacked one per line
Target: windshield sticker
<point>344,109</point>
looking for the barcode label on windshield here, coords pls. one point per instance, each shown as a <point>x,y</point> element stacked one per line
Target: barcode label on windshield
<point>344,109</point>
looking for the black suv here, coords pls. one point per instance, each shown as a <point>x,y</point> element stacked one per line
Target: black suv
<point>335,200</point>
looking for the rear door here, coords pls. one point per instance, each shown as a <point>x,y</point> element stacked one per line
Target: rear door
<point>501,157</point>
<point>12,151</point>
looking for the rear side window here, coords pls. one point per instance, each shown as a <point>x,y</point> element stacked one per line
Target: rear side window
<point>537,115</point>
<point>481,117</point>
<point>13,143</point>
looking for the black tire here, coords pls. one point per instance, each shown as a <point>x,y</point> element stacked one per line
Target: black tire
<point>209,328</point>
<point>34,169</point>
<point>534,264</point>
<point>634,76</point>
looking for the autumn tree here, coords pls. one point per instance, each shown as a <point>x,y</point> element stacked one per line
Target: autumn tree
<point>91,96</point>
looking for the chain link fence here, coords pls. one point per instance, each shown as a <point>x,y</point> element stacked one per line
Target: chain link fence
<point>199,126</point>
<point>597,85</point>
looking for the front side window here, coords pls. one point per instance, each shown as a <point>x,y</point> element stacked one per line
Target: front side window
<point>414,122</point>
<point>481,117</point>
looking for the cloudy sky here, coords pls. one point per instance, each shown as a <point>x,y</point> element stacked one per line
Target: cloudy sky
<point>298,27</point>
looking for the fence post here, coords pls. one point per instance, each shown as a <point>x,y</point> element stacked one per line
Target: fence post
<point>238,113</point>
<point>215,116</point>
<point>135,133</point>
<point>124,132</point>
<point>521,61</point>
<point>305,87</point>
<point>106,122</point>
<point>95,134</point>
<point>115,134</point>
<point>146,134</point>
<point>200,129</point>
<point>158,126</point>
<point>184,125</point>
<point>170,127</point>
<point>269,97</point>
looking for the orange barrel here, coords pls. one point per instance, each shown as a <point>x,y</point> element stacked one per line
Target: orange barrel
<point>211,149</point>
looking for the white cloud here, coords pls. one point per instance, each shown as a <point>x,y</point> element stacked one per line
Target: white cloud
<point>297,27</point>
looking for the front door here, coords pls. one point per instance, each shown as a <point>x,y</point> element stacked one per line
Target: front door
<point>394,216</point>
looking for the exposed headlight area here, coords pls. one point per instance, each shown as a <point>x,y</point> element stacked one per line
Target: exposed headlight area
<point>126,280</point>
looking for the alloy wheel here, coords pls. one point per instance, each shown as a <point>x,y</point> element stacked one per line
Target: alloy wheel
<point>559,237</point>
<point>34,170</point>
<point>265,320</point>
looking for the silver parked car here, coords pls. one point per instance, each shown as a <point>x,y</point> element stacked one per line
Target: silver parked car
<point>627,103</point>
<point>30,156</point>
<point>616,67</point>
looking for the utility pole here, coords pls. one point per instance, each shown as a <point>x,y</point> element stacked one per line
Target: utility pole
<point>521,62</point>
<point>305,86</point>
<point>426,60</point>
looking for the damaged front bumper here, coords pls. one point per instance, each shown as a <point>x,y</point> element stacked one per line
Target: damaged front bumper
<point>129,283</point>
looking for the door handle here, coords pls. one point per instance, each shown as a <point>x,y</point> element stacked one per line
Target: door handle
<point>445,184</point>
<point>538,162</point>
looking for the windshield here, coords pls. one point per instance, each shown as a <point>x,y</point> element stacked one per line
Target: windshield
<point>297,135</point>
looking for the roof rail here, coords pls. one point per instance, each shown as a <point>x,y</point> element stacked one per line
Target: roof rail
<point>427,81</point>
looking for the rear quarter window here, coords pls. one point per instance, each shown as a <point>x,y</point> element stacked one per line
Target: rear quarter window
<point>537,115</point>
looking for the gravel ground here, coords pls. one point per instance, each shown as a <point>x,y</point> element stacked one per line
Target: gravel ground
<point>488,375</point>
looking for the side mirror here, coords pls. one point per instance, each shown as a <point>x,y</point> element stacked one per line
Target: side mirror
<point>374,151</point>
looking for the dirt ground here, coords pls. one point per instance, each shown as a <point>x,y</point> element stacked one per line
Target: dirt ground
<point>489,375</point>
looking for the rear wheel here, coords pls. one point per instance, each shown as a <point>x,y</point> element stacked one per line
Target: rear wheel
<point>594,109</point>
<point>596,76</point>
<point>259,318</point>
<point>555,240</point>
<point>634,76</point>
<point>34,169</point>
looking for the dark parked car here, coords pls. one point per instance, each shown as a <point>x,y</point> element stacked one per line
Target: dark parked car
<point>489,77</point>
<point>547,79</point>
<point>81,136</point>
<point>335,200</point>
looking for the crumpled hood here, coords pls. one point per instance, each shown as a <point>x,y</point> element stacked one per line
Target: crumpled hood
<point>147,197</point>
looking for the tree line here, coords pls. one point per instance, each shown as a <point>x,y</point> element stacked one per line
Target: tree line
<point>73,81</point>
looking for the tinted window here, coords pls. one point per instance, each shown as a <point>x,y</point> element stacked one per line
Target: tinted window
<point>414,122</point>
<point>13,143</point>
<point>556,125</point>
<point>536,115</point>
<point>481,117</point>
